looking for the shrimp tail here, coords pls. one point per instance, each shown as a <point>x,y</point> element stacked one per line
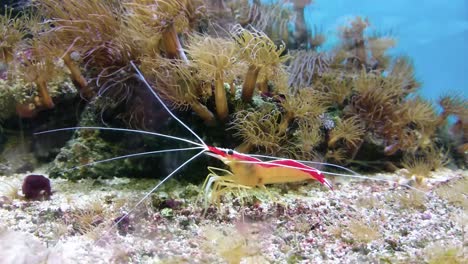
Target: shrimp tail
<point>327,183</point>
<point>319,177</point>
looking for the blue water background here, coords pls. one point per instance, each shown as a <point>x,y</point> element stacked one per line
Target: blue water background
<point>434,33</point>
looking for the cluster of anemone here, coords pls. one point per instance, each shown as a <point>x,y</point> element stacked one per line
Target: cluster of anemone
<point>13,48</point>
<point>98,39</point>
<point>369,107</point>
<point>270,84</point>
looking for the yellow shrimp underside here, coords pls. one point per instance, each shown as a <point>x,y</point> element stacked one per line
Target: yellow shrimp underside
<point>221,182</point>
<point>244,178</point>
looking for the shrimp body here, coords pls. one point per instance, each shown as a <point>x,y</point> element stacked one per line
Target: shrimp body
<point>252,172</point>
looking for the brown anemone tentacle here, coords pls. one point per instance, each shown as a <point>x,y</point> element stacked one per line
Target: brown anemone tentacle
<point>355,149</point>
<point>6,55</point>
<point>287,118</point>
<point>203,112</point>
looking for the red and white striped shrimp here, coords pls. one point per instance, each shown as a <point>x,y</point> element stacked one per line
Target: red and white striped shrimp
<point>252,172</point>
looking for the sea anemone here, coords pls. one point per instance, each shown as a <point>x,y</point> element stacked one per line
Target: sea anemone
<point>274,80</point>
<point>76,75</point>
<point>259,128</point>
<point>378,47</point>
<point>376,98</point>
<point>215,60</point>
<point>305,67</point>
<point>339,155</point>
<point>350,130</point>
<point>306,104</point>
<point>379,103</point>
<point>175,82</point>
<point>273,19</point>
<point>87,27</point>
<point>166,17</point>
<point>421,164</point>
<point>84,28</point>
<point>11,33</point>
<point>354,42</point>
<point>245,13</point>
<point>421,116</point>
<point>300,34</point>
<point>260,52</point>
<point>307,137</point>
<point>453,104</point>
<point>13,29</point>
<point>402,71</point>
<point>411,125</point>
<point>39,70</point>
<point>336,88</point>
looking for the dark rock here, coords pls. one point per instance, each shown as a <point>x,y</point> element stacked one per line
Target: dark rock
<point>170,203</point>
<point>4,201</point>
<point>36,187</point>
<point>393,244</point>
<point>26,167</point>
<point>124,225</point>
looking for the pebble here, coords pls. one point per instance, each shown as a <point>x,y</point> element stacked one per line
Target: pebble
<point>426,216</point>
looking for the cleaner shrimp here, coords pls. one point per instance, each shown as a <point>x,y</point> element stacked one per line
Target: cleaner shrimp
<point>246,170</point>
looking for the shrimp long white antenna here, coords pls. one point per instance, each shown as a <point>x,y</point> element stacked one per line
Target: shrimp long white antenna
<point>163,104</point>
<point>135,155</point>
<point>151,191</point>
<point>310,162</point>
<point>124,130</point>
<point>372,179</point>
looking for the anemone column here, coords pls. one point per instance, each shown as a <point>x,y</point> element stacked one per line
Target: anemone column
<point>250,80</point>
<point>214,59</point>
<point>77,76</point>
<point>172,44</point>
<point>44,94</point>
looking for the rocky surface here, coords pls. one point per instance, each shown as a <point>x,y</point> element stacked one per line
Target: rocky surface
<point>358,222</point>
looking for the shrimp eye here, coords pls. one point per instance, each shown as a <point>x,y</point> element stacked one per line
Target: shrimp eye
<point>230,152</point>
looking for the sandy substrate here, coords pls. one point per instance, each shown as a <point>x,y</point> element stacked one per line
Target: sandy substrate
<point>359,222</point>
